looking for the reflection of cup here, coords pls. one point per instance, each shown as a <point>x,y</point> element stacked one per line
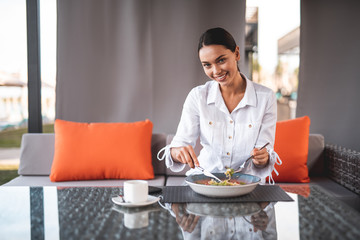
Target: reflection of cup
<point>136,220</point>
<point>136,191</point>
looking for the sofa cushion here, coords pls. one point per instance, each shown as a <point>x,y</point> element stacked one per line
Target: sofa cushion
<point>291,144</point>
<point>315,160</point>
<point>35,181</point>
<point>36,155</point>
<point>158,141</point>
<point>92,151</point>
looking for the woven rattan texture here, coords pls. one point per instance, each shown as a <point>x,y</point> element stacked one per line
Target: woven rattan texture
<point>323,218</point>
<point>343,166</point>
<point>87,213</point>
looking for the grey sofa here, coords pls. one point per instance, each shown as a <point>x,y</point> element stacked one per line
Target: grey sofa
<point>37,152</point>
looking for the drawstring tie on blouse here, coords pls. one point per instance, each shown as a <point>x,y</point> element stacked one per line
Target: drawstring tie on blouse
<point>166,150</point>
<point>278,161</point>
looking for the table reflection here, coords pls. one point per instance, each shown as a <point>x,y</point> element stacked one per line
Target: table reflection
<point>137,217</point>
<point>89,213</point>
<point>226,221</point>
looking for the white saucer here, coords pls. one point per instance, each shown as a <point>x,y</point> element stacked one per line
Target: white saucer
<point>150,200</point>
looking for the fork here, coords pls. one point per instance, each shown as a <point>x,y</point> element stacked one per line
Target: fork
<point>209,174</point>
<point>243,165</point>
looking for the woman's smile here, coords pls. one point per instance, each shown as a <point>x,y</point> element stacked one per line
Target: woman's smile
<point>220,78</point>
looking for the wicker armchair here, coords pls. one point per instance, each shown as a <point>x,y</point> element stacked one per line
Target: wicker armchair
<point>343,166</point>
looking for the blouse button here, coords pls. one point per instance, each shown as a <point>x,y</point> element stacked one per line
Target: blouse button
<point>230,137</point>
<point>231,121</point>
<point>250,126</point>
<point>228,153</point>
<point>210,123</point>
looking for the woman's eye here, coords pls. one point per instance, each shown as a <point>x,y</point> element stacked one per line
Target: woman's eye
<point>206,65</point>
<point>222,60</point>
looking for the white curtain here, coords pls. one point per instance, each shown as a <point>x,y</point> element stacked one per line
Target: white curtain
<point>128,60</point>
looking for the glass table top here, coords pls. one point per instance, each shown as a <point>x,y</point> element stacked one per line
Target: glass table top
<point>89,213</point>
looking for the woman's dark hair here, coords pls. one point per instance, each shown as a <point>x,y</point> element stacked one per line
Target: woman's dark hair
<point>218,36</point>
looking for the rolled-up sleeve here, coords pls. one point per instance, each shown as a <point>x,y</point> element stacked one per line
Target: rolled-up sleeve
<point>187,131</point>
<point>267,134</point>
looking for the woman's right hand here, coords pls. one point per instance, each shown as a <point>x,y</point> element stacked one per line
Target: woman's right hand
<point>184,155</point>
<point>186,221</point>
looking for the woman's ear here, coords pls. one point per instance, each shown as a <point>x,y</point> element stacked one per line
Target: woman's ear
<point>237,53</point>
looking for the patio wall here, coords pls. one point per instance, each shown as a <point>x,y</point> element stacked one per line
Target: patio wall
<point>329,69</point>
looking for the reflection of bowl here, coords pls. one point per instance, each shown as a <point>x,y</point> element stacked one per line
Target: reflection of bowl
<point>223,209</point>
<point>223,191</point>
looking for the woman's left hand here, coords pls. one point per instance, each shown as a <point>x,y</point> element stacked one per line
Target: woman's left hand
<point>261,157</point>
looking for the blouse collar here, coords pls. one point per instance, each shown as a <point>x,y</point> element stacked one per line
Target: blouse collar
<point>249,98</point>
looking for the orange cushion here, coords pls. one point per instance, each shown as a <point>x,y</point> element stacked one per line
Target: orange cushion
<point>89,151</point>
<point>291,144</point>
<point>299,189</point>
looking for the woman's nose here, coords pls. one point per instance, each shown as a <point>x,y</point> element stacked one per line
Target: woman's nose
<point>216,70</point>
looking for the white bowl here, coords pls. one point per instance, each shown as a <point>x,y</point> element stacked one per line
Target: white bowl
<point>223,209</point>
<point>223,191</point>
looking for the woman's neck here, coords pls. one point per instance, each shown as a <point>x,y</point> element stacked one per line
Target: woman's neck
<point>237,87</point>
<point>234,93</point>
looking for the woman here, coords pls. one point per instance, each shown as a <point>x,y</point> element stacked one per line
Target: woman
<point>233,116</point>
<point>257,225</point>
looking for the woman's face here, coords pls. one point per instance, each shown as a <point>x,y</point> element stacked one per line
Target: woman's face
<point>220,63</point>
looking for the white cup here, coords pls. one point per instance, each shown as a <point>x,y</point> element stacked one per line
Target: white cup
<point>136,220</point>
<point>136,191</point>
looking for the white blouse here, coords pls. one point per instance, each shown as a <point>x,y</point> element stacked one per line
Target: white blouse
<point>227,138</point>
<point>209,227</point>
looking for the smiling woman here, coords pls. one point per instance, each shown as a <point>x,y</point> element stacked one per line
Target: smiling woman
<point>232,115</point>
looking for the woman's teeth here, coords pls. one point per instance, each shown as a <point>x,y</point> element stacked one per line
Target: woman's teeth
<point>221,77</point>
